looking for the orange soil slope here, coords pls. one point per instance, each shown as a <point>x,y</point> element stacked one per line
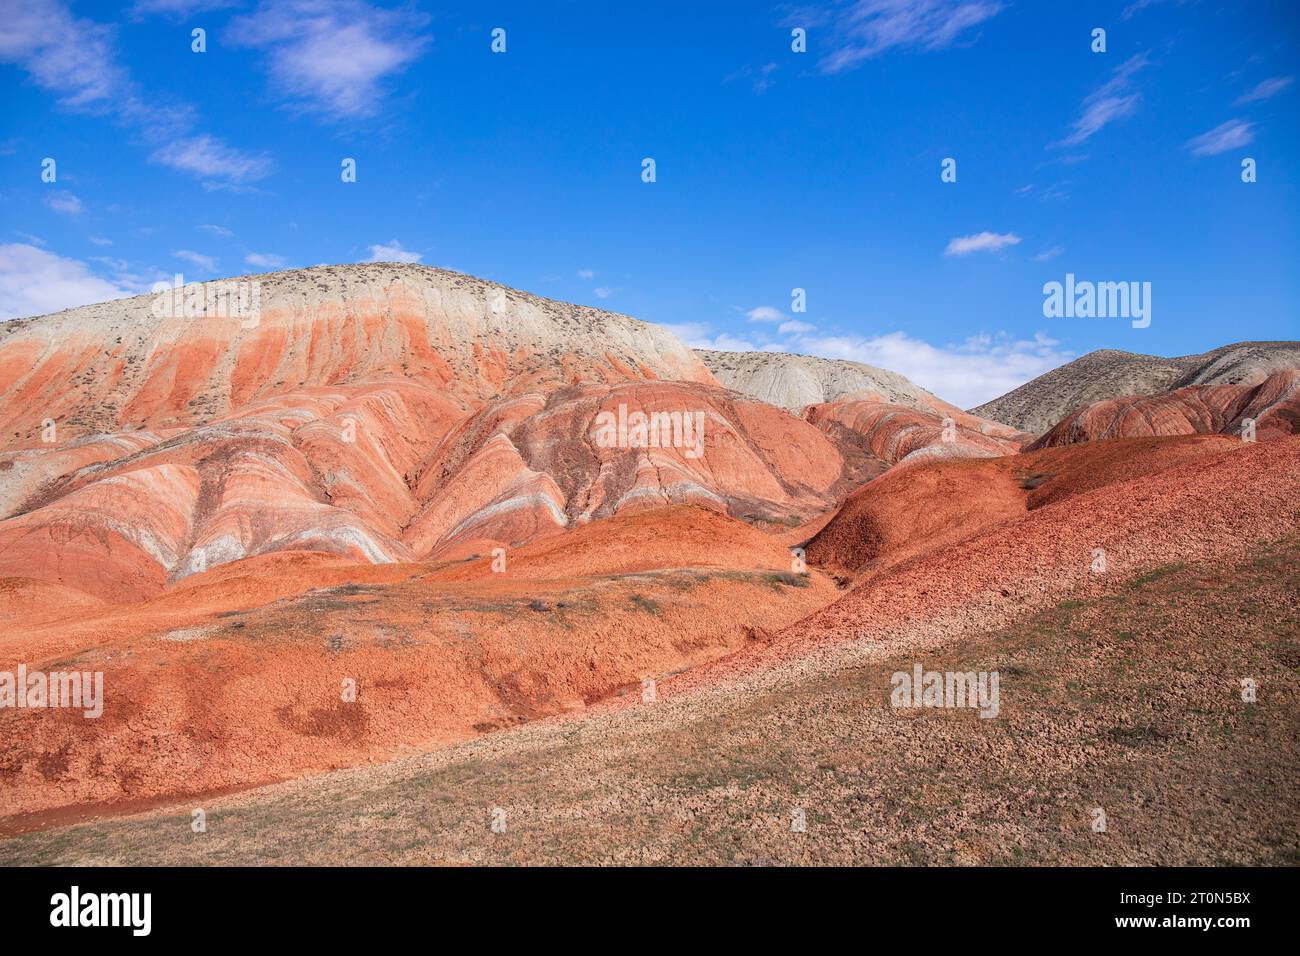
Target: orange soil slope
<point>910,510</point>
<point>1188,499</point>
<point>233,679</point>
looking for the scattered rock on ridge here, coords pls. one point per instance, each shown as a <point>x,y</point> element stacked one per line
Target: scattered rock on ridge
<point>1107,373</point>
<point>1274,405</point>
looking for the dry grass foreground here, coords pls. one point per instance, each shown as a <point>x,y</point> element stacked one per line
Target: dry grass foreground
<point>1129,701</point>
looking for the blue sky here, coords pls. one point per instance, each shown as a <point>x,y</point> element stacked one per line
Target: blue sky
<point>775,170</point>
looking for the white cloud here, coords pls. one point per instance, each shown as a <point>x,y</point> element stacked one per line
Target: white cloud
<point>100,240</point>
<point>699,336</point>
<point>1139,5</point>
<point>765,313</point>
<point>966,374</point>
<point>76,59</point>
<point>179,8</point>
<point>332,54</point>
<point>980,242</point>
<point>393,252</point>
<point>197,259</point>
<point>265,260</point>
<point>604,292</point>
<point>862,29</point>
<point>1051,253</point>
<point>210,159</point>
<point>72,57</point>
<point>129,275</point>
<point>35,282</point>
<point>1265,89</point>
<point>1223,137</point>
<point>1113,100</point>
<point>795,326</point>
<point>586,273</point>
<point>63,202</point>
<point>761,77</point>
<point>220,232</point>
<point>979,369</point>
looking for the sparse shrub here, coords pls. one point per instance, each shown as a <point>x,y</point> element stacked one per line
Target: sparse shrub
<point>643,603</point>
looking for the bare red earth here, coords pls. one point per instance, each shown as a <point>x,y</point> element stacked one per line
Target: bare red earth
<point>393,480</point>
<point>1273,404</point>
<point>1166,501</point>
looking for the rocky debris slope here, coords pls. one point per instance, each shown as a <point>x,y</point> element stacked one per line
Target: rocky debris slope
<point>908,512</point>
<point>1105,698</point>
<point>1273,404</point>
<point>1107,373</point>
<point>1217,501</point>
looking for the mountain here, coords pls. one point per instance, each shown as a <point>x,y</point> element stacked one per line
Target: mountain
<point>151,362</point>
<point>886,416</point>
<point>794,382</point>
<point>1039,404</point>
<point>393,509</point>
<point>1273,405</point>
<point>381,413</point>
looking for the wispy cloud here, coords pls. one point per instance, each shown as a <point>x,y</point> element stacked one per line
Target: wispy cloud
<point>76,59</point>
<point>35,282</point>
<point>265,260</point>
<point>63,202</point>
<point>332,55</point>
<point>966,373</point>
<point>130,275</point>
<point>1137,6</point>
<point>980,242</point>
<point>862,29</point>
<point>760,77</point>
<point>210,159</point>
<point>605,292</point>
<point>1114,99</point>
<point>73,58</point>
<point>221,232</point>
<point>197,259</point>
<point>1051,253</point>
<point>1223,137</point>
<point>765,313</point>
<point>1265,89</point>
<point>698,335</point>
<point>392,252</point>
<point>586,273</point>
<point>177,9</point>
<point>977,370</point>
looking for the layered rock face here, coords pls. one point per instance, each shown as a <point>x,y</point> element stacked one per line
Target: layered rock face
<point>317,492</point>
<point>152,362</point>
<point>1107,373</point>
<point>895,434</point>
<point>1273,405</point>
<point>882,414</point>
<point>379,413</point>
